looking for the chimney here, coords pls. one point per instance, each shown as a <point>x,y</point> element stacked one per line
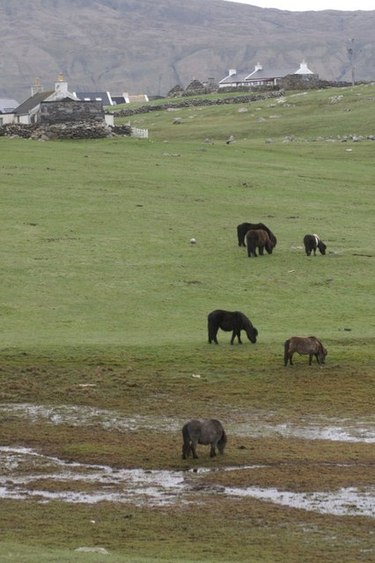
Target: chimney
<point>258,66</point>
<point>232,71</point>
<point>61,87</point>
<point>37,87</point>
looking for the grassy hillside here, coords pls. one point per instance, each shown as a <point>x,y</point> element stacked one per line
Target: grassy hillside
<point>96,235</point>
<point>104,348</point>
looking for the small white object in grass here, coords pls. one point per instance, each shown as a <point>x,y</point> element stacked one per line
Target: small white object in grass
<point>193,241</point>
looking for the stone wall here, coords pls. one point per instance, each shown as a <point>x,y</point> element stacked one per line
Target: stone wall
<point>201,102</point>
<point>81,130</point>
<point>67,111</point>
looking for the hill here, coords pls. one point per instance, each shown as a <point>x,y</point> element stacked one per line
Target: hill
<point>148,46</point>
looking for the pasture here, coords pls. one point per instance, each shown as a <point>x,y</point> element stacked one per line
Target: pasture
<point>104,351</point>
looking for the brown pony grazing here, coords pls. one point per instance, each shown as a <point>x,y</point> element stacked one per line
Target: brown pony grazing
<point>230,321</point>
<point>206,432</point>
<point>310,345</point>
<point>312,242</point>
<point>244,227</point>
<point>258,238</point>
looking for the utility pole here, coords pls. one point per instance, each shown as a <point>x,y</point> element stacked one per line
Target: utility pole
<point>351,55</point>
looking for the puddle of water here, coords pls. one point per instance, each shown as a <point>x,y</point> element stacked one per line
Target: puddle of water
<point>152,487</point>
<point>345,431</point>
<point>157,487</point>
<point>248,424</point>
<point>78,415</point>
<point>349,501</point>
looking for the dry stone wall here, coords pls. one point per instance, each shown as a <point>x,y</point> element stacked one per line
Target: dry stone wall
<point>80,130</point>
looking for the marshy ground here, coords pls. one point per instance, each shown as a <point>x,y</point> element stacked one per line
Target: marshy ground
<point>298,468</point>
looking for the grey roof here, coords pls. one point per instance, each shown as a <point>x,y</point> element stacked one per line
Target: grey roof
<point>236,77</point>
<point>103,97</point>
<point>118,100</point>
<point>32,102</point>
<point>7,105</point>
<point>258,74</point>
<point>269,74</point>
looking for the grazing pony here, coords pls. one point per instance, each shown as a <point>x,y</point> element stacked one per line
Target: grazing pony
<point>312,242</point>
<point>310,345</point>
<point>206,432</point>
<point>230,321</point>
<point>258,238</point>
<point>244,227</point>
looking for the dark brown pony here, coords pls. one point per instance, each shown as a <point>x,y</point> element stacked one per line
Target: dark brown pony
<point>206,432</point>
<point>312,242</point>
<point>244,227</point>
<point>230,321</point>
<point>258,238</point>
<point>310,345</point>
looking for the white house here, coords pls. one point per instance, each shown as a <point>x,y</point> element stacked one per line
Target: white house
<point>29,111</point>
<point>261,76</point>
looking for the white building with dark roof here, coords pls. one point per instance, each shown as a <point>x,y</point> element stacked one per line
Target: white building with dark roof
<point>261,76</point>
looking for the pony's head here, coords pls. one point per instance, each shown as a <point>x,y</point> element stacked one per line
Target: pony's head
<point>322,247</point>
<point>251,332</point>
<point>322,354</point>
<point>270,246</point>
<point>222,442</point>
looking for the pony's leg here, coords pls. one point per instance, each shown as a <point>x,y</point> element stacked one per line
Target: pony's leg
<point>212,334</point>
<point>234,334</point>
<point>185,451</point>
<point>291,358</point>
<point>261,250</point>
<point>212,451</point>
<point>310,359</point>
<point>193,449</point>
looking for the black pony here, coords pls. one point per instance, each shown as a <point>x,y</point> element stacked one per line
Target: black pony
<point>244,227</point>
<point>230,321</point>
<point>312,242</point>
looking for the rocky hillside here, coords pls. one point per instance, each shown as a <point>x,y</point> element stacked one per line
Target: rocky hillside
<point>150,46</point>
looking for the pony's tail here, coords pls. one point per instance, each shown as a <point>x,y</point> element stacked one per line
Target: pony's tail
<point>286,351</point>
<point>186,442</point>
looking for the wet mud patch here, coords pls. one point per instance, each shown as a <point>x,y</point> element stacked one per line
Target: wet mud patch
<point>243,423</point>
<point>50,478</point>
<point>316,464</point>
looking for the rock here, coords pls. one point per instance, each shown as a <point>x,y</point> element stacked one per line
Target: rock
<point>101,550</point>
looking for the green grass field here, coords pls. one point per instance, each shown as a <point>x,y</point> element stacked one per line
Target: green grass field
<point>101,286</point>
